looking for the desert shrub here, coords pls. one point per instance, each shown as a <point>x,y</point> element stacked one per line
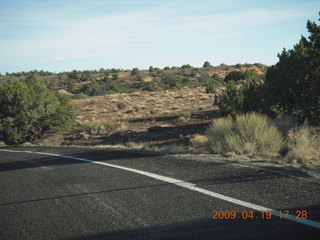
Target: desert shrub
<point>249,134</point>
<point>171,81</point>
<point>235,100</point>
<point>234,76</point>
<point>114,87</point>
<point>198,140</point>
<point>74,74</point>
<point>150,86</point>
<point>29,109</point>
<point>187,82</point>
<point>93,89</point>
<point>151,69</point>
<point>135,71</point>
<point>115,76</point>
<point>70,84</point>
<point>93,128</point>
<point>211,87</point>
<point>153,111</point>
<point>121,105</point>
<point>207,64</point>
<point>53,83</point>
<point>86,76</point>
<point>303,145</point>
<point>98,88</point>
<point>187,114</point>
<point>137,109</point>
<point>230,102</point>
<point>186,66</point>
<point>122,128</point>
<point>99,128</point>
<point>251,75</point>
<point>215,79</point>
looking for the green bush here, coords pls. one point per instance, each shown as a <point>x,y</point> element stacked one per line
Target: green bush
<point>94,88</point>
<point>29,109</point>
<point>207,64</point>
<point>234,76</point>
<point>171,81</point>
<point>86,76</point>
<point>114,87</point>
<point>211,86</point>
<point>230,102</point>
<point>292,85</point>
<point>98,88</point>
<point>71,84</point>
<point>150,86</point>
<point>251,133</point>
<point>135,71</point>
<point>240,99</point>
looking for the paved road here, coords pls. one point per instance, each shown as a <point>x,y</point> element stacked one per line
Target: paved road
<point>147,197</point>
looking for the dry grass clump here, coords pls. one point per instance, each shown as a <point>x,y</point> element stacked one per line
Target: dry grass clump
<point>95,128</point>
<point>250,134</point>
<point>135,145</point>
<point>168,149</point>
<point>303,145</point>
<point>198,140</point>
<point>121,128</point>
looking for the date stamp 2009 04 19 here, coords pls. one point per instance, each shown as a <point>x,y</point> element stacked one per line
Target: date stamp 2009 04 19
<point>284,214</point>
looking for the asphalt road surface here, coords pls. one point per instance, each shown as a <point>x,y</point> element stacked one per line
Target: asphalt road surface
<point>75,193</point>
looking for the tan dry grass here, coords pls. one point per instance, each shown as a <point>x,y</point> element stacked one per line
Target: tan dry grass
<point>304,145</point>
<point>173,101</point>
<point>198,140</point>
<point>250,134</point>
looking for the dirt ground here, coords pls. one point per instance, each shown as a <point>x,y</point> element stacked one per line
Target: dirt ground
<point>152,119</point>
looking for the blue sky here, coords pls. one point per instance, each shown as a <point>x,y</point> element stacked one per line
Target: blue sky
<point>63,35</point>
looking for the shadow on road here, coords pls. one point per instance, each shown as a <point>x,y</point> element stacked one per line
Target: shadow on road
<point>207,228</point>
<point>99,155</point>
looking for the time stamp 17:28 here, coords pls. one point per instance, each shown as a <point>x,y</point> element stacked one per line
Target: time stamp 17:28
<point>284,214</point>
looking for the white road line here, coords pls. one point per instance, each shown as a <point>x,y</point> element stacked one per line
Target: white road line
<point>183,184</point>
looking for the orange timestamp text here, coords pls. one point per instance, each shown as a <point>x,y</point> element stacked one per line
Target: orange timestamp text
<point>284,214</point>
